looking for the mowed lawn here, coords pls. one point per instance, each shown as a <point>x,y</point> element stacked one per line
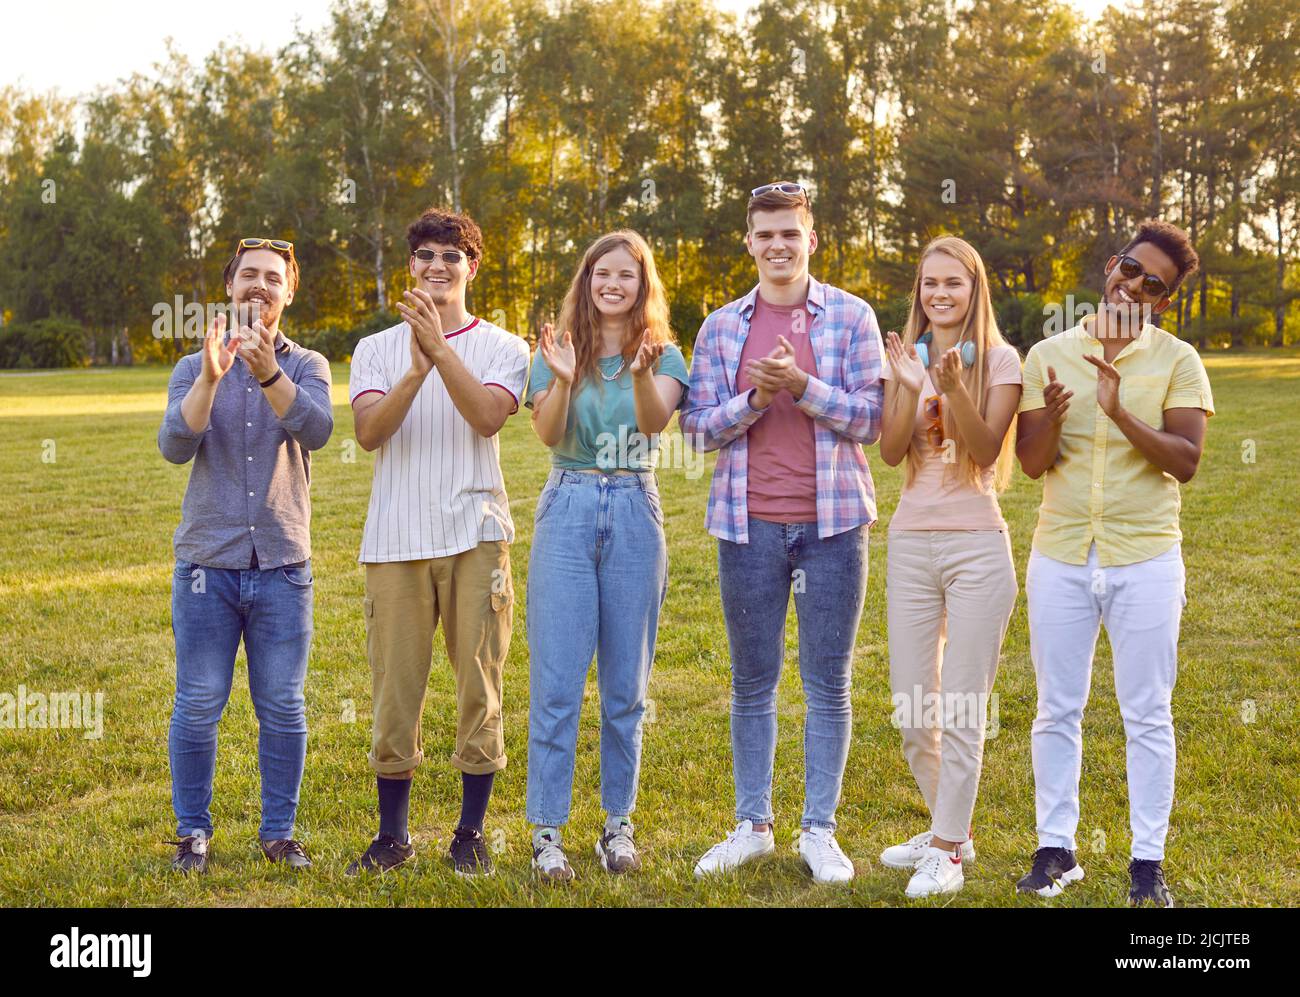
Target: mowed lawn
<point>85,575</point>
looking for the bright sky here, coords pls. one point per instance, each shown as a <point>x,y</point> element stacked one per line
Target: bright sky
<point>77,45</point>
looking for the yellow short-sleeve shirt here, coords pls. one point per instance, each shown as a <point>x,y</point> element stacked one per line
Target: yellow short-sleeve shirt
<point>1101,489</point>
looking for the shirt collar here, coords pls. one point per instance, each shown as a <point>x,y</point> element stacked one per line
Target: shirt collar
<point>282,345</point>
<point>1142,341</point>
<point>816,300</point>
<point>1145,337</point>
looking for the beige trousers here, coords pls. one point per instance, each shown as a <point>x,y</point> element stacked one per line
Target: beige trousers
<point>950,594</point>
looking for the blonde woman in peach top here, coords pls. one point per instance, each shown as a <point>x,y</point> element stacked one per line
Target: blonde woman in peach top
<point>952,386</point>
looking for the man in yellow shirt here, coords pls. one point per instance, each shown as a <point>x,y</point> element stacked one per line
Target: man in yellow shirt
<point>1113,413</point>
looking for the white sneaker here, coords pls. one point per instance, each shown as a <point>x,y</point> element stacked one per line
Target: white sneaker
<point>937,872</point>
<point>911,851</point>
<point>822,855</point>
<point>616,849</point>
<point>548,857</point>
<point>742,845</point>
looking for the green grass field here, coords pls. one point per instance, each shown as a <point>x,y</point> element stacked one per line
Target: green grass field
<point>85,570</point>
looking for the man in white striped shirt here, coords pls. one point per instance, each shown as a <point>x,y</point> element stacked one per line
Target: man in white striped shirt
<point>430,395</point>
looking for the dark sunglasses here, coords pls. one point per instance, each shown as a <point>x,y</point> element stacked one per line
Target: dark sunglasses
<point>785,187</point>
<point>449,256</point>
<point>1152,286</point>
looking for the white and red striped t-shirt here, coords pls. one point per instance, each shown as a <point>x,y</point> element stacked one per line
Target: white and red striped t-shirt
<point>438,488</point>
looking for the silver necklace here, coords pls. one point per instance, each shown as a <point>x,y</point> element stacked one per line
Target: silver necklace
<point>615,375</point>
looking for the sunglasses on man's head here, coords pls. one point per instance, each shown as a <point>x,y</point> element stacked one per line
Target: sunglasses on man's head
<point>1152,286</point>
<point>279,245</point>
<point>449,256</point>
<point>784,187</point>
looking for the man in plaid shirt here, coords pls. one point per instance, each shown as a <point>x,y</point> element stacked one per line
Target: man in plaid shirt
<point>785,385</point>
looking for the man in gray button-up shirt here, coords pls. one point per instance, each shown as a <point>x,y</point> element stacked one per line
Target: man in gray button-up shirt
<point>248,412</point>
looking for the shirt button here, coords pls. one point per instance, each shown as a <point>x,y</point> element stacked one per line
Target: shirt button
<point>250,391</point>
<point>249,424</point>
<point>250,458</point>
<point>250,494</point>
<point>252,527</point>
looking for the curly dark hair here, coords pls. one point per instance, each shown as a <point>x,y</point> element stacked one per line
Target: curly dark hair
<point>1173,242</point>
<point>448,228</point>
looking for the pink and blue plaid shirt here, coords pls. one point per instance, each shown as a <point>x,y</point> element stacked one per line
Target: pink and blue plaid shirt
<point>844,401</point>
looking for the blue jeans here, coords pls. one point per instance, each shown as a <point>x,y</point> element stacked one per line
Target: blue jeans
<point>597,577</point>
<point>212,608</point>
<point>829,578</point>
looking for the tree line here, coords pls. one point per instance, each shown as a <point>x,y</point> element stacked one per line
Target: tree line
<point>1036,135</point>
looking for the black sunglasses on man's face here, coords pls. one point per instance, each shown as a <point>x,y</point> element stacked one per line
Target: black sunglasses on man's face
<point>1152,286</point>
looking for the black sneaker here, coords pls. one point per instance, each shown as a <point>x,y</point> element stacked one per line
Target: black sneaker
<point>384,853</point>
<point>1054,869</point>
<point>191,853</point>
<point>288,851</point>
<point>1147,884</point>
<point>469,853</point>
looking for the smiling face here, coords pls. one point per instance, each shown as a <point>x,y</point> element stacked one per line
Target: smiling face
<point>445,282</point>
<point>945,291</point>
<point>780,242</point>
<point>615,283</point>
<point>259,287</point>
<point>1124,296</point>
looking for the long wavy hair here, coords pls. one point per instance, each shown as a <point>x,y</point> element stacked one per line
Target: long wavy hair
<point>580,316</point>
<point>981,328</point>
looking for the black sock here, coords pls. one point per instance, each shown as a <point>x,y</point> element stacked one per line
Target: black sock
<point>394,803</point>
<point>475,790</point>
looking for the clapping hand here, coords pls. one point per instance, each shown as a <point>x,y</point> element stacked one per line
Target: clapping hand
<point>218,356</point>
<point>559,356</point>
<point>422,316</point>
<point>1107,385</point>
<point>947,372</point>
<point>258,351</point>
<point>1056,398</point>
<point>647,356</point>
<point>905,364</point>
<point>776,372</point>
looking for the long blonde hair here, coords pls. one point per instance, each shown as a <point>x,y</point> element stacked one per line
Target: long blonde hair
<point>981,328</point>
<point>580,316</point>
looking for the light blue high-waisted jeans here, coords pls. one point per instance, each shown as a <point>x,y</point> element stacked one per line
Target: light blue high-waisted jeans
<point>597,577</point>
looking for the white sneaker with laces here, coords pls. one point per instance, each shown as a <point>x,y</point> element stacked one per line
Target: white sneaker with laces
<point>616,848</point>
<point>548,857</point>
<point>911,851</point>
<point>742,845</point>
<point>822,855</point>
<point>937,872</point>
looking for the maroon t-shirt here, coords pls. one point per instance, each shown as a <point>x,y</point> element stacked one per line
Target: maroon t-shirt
<point>782,444</point>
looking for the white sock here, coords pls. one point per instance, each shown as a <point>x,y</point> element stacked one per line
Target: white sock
<point>544,830</point>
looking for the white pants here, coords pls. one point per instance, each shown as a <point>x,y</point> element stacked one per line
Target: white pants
<point>1141,605</point>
